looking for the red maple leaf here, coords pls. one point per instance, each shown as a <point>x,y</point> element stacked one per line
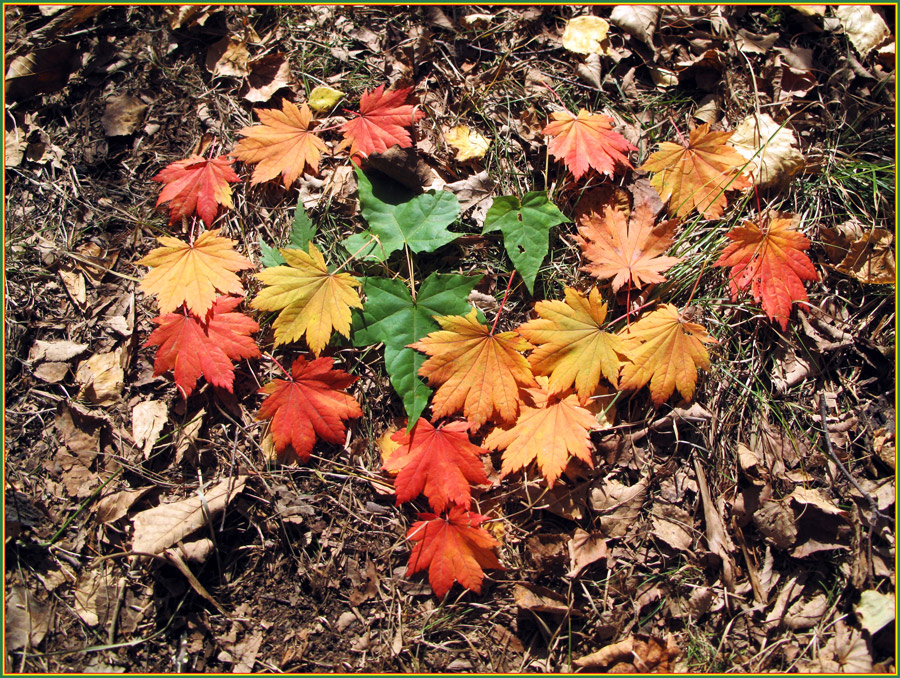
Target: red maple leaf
<point>309,405</point>
<point>196,184</point>
<point>454,548</point>
<point>440,461</point>
<point>383,117</point>
<point>770,261</point>
<point>192,347</point>
<point>586,141</point>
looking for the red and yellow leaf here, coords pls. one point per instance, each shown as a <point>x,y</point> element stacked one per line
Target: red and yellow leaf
<point>666,351</point>
<point>697,176</point>
<point>439,461</point>
<point>628,251</point>
<point>571,346</point>
<point>479,373</point>
<point>586,141</point>
<point>312,301</point>
<point>454,548</point>
<point>193,348</point>
<point>309,405</point>
<point>770,261</point>
<point>383,117</point>
<point>193,273</point>
<point>549,430</point>
<point>196,184</point>
<point>281,144</point>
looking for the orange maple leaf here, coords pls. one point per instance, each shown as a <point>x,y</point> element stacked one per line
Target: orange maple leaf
<point>628,251</point>
<point>192,347</point>
<point>665,350</point>
<point>454,548</point>
<point>310,404</point>
<point>191,273</point>
<point>383,117</point>
<point>586,141</point>
<point>480,373</point>
<point>697,176</point>
<point>769,260</point>
<point>196,184</point>
<point>549,430</point>
<point>439,461</point>
<point>281,144</point>
<point>571,346</point>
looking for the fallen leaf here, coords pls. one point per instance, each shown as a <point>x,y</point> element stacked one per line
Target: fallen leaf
<point>479,373</point>
<point>158,528</point>
<point>228,58</point>
<point>454,548</point>
<point>26,621</point>
<point>618,505</point>
<point>806,613</point>
<point>192,273</point>
<point>636,654</point>
<point>268,74</point>
<point>697,175</point>
<point>95,596</point>
<point>383,117</point>
<point>467,143</point>
<point>73,282</point>
<point>673,526</point>
<point>770,149</point>
<point>40,71</point>
<point>541,600</point>
<point>122,116</point>
<point>441,462</point>
<point>191,347</point>
<point>311,301</point>
<point>585,549</point>
<point>55,351</point>
<point>768,258</point>
<point>281,144</point>
<point>875,610</point>
<point>114,506</point>
<point>309,405</point>
<point>845,652</point>
<point>864,254</point>
<point>666,351</point>
<point>863,26</point>
<point>102,377</point>
<point>638,21</point>
<point>586,35</point>
<point>628,251</point>
<point>196,184</point>
<point>147,420</point>
<point>587,141</point>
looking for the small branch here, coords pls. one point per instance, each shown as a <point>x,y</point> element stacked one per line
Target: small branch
<point>503,303</point>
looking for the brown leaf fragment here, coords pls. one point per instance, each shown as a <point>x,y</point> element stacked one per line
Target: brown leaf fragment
<point>547,552</point>
<point>95,596</point>
<point>114,506</point>
<point>538,599</point>
<point>776,522</point>
<point>268,74</point>
<point>158,528</point>
<point>44,70</point>
<point>845,652</point>
<point>866,254</point>
<point>636,654</point>
<point>584,550</point>
<point>806,612</point>
<point>55,351</point>
<point>673,526</point>
<point>618,505</point>
<point>792,588</point>
<point>186,436</point>
<point>147,420</point>
<point>52,373</point>
<point>101,377</point>
<point>228,58</point>
<point>27,620</point>
<point>123,115</point>
<point>73,283</point>
<point>716,536</point>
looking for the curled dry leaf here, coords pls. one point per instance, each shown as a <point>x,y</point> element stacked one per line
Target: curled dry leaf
<point>467,143</point>
<point>586,35</point>
<point>864,27</point>
<point>636,654</point>
<point>618,505</point>
<point>770,148</point>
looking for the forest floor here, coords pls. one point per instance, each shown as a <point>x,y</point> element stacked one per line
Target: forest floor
<point>739,532</point>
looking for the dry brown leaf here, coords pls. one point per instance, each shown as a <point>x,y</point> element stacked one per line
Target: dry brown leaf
<point>228,58</point>
<point>538,599</point>
<point>673,525</point>
<point>584,550</point>
<point>73,282</point>
<point>27,620</point>
<point>864,254</point>
<point>776,523</point>
<point>268,74</point>
<point>95,596</point>
<point>770,149</point>
<point>806,613</point>
<point>845,652</point>
<point>636,654</point>
<point>864,27</point>
<point>147,421</point>
<point>114,506</point>
<point>123,115</point>
<point>158,528</point>
<point>55,351</point>
<point>875,610</point>
<point>618,505</point>
<point>717,537</point>
<point>101,377</point>
<point>638,21</point>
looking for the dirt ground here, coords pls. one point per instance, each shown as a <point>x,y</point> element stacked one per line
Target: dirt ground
<point>736,533</point>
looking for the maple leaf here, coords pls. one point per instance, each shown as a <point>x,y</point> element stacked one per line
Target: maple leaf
<point>308,405</point>
<point>697,176</point>
<point>480,373</point>
<point>192,347</point>
<point>626,250</point>
<point>281,144</point>
<point>586,141</point>
<point>454,548</point>
<point>571,347</point>
<point>380,123</point>
<point>666,351</point>
<point>439,461</point>
<point>191,274</point>
<point>549,430</point>
<point>771,262</point>
<point>311,300</point>
<point>392,316</point>
<point>196,184</point>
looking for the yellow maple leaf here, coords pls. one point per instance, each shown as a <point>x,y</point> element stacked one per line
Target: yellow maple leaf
<point>572,347</point>
<point>697,176</point>
<point>312,301</point>
<point>192,273</point>
<point>666,351</point>
<point>280,144</point>
<point>549,430</point>
<point>479,373</point>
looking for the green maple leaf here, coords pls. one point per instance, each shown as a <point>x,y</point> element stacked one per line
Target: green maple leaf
<point>302,232</point>
<point>526,230</point>
<point>391,316</point>
<point>396,218</point>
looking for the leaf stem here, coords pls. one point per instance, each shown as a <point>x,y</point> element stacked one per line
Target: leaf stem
<point>678,132</point>
<point>625,315</point>
<point>412,279</point>
<point>503,303</point>
<point>280,366</point>
<point>368,242</point>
